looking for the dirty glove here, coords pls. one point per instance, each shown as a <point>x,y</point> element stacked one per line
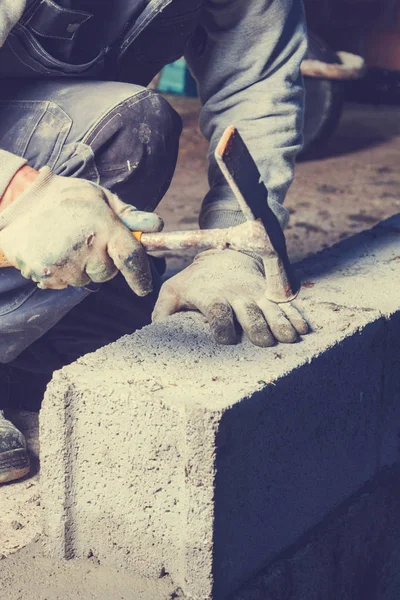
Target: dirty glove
<point>65,231</point>
<point>226,284</point>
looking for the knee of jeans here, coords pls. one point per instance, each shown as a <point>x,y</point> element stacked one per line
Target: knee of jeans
<point>148,120</point>
<point>136,148</point>
<point>156,127</point>
<point>163,118</point>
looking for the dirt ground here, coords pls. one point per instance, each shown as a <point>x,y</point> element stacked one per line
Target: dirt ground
<point>29,575</point>
<point>355,184</point>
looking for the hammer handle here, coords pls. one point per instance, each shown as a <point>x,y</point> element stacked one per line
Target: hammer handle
<point>245,237</point>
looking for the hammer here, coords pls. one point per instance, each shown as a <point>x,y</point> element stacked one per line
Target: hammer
<point>260,234</point>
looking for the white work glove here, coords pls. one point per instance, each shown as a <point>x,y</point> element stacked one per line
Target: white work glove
<point>64,231</point>
<point>224,285</point>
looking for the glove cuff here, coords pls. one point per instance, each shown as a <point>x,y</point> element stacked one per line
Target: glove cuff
<point>252,255</point>
<point>27,198</point>
<point>9,165</point>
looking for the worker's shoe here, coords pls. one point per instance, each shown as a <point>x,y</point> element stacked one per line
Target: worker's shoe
<point>14,459</point>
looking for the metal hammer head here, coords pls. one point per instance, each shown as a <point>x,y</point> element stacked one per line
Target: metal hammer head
<point>244,179</point>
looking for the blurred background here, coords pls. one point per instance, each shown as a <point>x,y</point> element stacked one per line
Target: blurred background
<point>367,27</point>
<point>347,177</point>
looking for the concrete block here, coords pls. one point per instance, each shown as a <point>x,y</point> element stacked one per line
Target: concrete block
<point>390,405</point>
<point>165,452</point>
<point>361,272</point>
<point>348,556</point>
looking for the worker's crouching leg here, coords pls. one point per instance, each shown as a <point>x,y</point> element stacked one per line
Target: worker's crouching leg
<point>123,137</point>
<point>102,317</point>
<point>134,149</point>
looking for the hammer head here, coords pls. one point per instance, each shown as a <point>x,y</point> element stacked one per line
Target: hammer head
<point>244,179</point>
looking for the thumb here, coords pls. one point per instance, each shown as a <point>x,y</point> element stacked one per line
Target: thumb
<point>167,304</point>
<point>131,217</point>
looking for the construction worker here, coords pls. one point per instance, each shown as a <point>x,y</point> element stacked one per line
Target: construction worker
<point>82,140</point>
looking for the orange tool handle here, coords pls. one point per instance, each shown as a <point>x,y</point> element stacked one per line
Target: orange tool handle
<point>4,262</point>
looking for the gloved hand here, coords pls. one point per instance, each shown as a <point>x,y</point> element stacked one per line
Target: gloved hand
<point>64,231</point>
<point>222,285</point>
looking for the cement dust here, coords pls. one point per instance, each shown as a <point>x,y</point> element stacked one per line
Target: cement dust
<point>29,575</point>
<point>25,572</point>
<point>20,500</point>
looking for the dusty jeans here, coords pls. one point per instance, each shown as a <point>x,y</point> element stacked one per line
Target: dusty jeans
<point>119,135</point>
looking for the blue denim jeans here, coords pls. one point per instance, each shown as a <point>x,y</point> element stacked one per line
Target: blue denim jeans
<point>123,137</point>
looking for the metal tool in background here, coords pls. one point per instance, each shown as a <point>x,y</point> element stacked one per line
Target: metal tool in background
<point>260,234</point>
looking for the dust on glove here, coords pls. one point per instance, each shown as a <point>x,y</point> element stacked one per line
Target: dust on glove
<point>225,285</point>
<point>68,231</point>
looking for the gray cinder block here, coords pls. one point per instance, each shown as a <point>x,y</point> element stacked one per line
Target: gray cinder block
<point>354,554</point>
<point>165,452</point>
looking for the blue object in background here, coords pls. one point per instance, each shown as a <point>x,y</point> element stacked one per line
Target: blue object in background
<point>177,79</point>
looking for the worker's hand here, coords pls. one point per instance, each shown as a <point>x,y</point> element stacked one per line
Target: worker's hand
<point>224,285</point>
<point>64,231</point>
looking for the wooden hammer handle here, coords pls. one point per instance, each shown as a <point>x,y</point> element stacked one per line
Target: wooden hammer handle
<point>249,237</point>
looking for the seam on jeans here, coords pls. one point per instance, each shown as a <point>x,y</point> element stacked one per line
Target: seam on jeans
<point>131,101</point>
<point>136,98</point>
<point>57,64</point>
<point>24,141</point>
<point>91,172</point>
<point>69,11</point>
<point>48,107</point>
<point>116,169</point>
<point>63,131</point>
<point>159,6</point>
<point>32,129</point>
<point>28,103</point>
<point>55,37</point>
<point>18,302</point>
<point>42,70</point>
<point>29,10</point>
<point>168,21</point>
<point>105,124</point>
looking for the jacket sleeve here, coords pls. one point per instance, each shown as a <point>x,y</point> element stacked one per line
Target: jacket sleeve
<point>10,13</point>
<point>246,58</point>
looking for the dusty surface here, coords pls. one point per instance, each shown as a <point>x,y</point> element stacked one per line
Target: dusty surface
<point>166,452</point>
<point>355,185</point>
<point>31,576</point>
<point>27,574</point>
<point>20,502</point>
<point>342,558</point>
